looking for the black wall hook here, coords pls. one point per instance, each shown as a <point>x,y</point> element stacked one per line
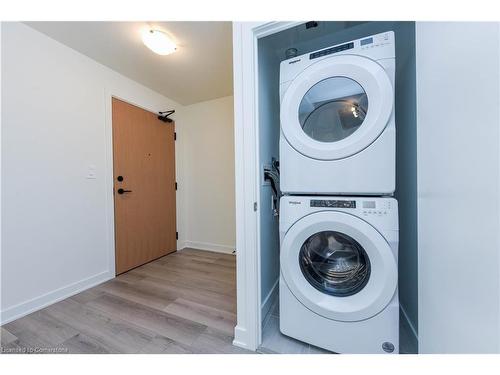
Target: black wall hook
<point>163,116</point>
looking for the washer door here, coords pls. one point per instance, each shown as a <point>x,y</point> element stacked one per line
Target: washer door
<point>337,107</point>
<point>338,266</point>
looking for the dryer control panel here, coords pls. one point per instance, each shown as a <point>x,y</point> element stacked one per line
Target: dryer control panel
<point>331,50</point>
<point>333,203</point>
<point>375,47</point>
<point>374,41</point>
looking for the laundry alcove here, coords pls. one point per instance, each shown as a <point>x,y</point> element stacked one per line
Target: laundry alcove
<point>304,38</point>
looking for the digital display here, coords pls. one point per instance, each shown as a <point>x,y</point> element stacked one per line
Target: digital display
<point>332,203</point>
<point>369,204</point>
<point>366,41</point>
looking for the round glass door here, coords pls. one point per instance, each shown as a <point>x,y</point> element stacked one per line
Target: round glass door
<point>338,266</point>
<point>334,263</point>
<point>336,107</point>
<point>333,109</point>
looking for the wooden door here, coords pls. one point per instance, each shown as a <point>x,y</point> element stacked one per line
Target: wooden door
<point>144,186</point>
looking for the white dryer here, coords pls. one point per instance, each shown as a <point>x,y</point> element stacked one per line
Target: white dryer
<point>337,119</point>
<point>339,272</point>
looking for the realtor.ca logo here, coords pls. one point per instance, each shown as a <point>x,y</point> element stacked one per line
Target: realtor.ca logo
<point>294,202</point>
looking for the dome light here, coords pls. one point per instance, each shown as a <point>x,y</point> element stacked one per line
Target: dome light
<point>158,42</point>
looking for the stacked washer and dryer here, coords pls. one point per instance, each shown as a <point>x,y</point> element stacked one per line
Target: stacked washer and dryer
<point>338,220</point>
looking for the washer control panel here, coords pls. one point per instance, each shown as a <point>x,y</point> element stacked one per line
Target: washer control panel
<point>333,203</point>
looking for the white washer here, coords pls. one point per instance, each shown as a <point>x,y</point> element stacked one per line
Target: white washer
<point>337,119</point>
<point>339,272</point>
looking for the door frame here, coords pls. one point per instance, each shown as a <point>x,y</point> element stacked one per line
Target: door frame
<point>247,333</point>
<point>149,104</point>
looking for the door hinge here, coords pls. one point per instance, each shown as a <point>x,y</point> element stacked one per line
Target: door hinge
<point>176,186</point>
<point>175,136</point>
<point>255,206</point>
<point>176,235</point>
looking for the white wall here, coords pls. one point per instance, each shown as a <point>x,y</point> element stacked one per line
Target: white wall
<point>458,187</point>
<point>268,131</point>
<point>57,228</point>
<point>206,132</point>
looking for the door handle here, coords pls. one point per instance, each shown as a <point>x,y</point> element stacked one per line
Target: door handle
<point>123,191</point>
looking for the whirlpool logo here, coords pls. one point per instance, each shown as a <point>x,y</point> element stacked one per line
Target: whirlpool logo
<point>294,202</point>
<point>294,61</point>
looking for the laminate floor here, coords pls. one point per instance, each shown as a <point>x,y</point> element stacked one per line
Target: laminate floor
<point>184,302</point>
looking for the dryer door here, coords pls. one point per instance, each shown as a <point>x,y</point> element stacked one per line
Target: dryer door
<point>337,107</point>
<point>338,266</point>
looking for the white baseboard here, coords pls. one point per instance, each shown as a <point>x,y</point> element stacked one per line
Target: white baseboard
<point>269,300</point>
<point>37,303</point>
<point>241,339</point>
<point>209,246</point>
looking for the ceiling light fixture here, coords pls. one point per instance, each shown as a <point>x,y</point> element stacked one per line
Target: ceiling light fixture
<point>158,42</point>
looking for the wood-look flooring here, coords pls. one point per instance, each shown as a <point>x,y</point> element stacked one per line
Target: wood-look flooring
<point>184,302</point>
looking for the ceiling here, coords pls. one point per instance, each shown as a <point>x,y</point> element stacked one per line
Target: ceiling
<point>200,70</point>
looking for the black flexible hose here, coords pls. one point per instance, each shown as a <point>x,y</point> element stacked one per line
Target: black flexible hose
<point>271,180</point>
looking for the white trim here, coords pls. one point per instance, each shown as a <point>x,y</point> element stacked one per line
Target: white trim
<point>247,333</point>
<point>270,299</point>
<point>37,303</point>
<point>1,174</point>
<point>498,328</point>
<point>181,245</point>
<point>239,333</point>
<point>247,292</point>
<point>209,247</point>
<point>108,181</point>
